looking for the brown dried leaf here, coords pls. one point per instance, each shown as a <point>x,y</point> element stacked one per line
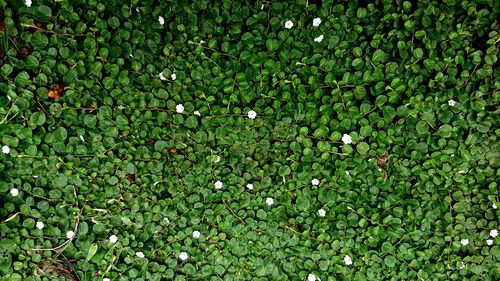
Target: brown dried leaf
<point>56,91</point>
<point>172,150</point>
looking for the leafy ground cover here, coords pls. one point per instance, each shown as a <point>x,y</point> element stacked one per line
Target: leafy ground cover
<point>249,140</point>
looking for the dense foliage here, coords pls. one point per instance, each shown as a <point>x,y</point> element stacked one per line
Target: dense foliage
<point>249,140</point>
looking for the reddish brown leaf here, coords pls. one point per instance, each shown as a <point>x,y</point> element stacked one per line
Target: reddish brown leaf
<point>25,52</point>
<point>172,150</point>
<point>381,161</point>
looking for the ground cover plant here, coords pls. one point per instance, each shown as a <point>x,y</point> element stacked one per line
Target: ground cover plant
<point>249,140</point>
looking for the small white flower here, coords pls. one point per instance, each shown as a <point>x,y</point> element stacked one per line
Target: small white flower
<point>197,113</point>
<point>321,212</point>
<point>9,98</point>
<point>105,279</point>
<point>489,242</point>
<point>346,139</point>
<point>70,234</point>
<point>288,24</point>
<point>113,239</point>
<point>461,172</point>
<point>462,265</point>
<point>173,76</point>
<point>81,137</point>
<point>252,114</point>
<point>218,184</point>
<point>494,206</point>
<point>196,234</point>
<point>347,172</point>
<point>319,39</point>
<point>202,41</point>
<point>161,20</point>
<point>179,108</point>
<point>130,55</point>
<point>5,149</point>
<point>347,260</point>
<point>262,7</point>
<point>140,254</point>
<point>315,182</point>
<point>250,186</point>
<point>14,192</point>
<point>217,159</point>
<point>162,77</point>
<point>28,3</point>
<point>493,233</point>
<point>137,9</point>
<point>35,177</point>
<point>39,225</point>
<point>464,242</point>
<point>311,277</point>
<point>166,220</point>
<point>452,103</point>
<point>183,256</point>
<point>316,22</point>
<point>269,201</point>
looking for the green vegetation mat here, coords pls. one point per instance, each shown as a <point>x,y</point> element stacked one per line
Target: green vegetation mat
<point>249,140</point>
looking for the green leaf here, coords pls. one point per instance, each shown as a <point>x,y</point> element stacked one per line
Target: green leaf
<point>92,250</point>
<point>61,180</point>
<point>302,201</point>
<point>38,118</point>
<point>390,261</point>
<point>362,147</point>
<point>191,122</point>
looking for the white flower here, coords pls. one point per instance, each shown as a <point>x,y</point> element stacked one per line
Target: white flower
<point>288,24</point>
<point>346,139</point>
<point>217,159</point>
<point>250,186</point>
<point>464,242</point>
<point>284,180</point>
<point>315,182</point>
<point>179,108</point>
<point>173,76</point>
<point>252,114</point>
<point>70,234</point>
<point>462,265</point>
<point>452,103</point>
<point>218,184</point>
<point>197,113</point>
<point>196,234</point>
<point>166,220</point>
<point>14,192</point>
<point>183,256</point>
<point>319,39</point>
<point>105,279</point>
<point>269,201</point>
<point>321,212</point>
<point>39,225</point>
<point>493,233</point>
<point>140,254</point>
<point>202,41</point>
<point>130,55</point>
<point>489,242</point>
<point>161,20</point>
<point>162,77</point>
<point>28,3</point>
<point>311,277</point>
<point>347,172</point>
<point>113,239</point>
<point>81,137</point>
<point>347,260</point>
<point>494,206</point>
<point>5,149</point>
<point>316,22</point>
